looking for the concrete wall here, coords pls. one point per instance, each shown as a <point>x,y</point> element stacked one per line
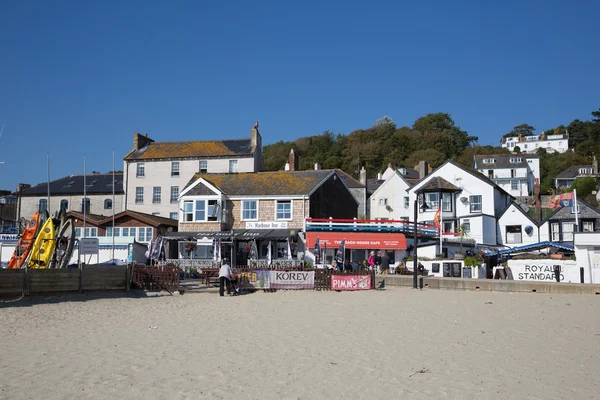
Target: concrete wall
<point>29,205</point>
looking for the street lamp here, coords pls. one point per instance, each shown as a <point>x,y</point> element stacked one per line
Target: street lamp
<point>419,203</point>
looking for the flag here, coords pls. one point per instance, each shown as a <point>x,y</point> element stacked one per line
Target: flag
<point>436,218</point>
<point>254,251</point>
<point>269,253</point>
<point>289,250</point>
<point>217,250</point>
<point>339,257</point>
<point>317,252</point>
<point>562,200</point>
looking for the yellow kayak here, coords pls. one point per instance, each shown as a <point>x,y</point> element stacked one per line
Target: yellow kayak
<point>43,247</point>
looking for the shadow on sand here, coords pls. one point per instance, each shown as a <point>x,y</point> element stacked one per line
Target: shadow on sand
<point>55,298</point>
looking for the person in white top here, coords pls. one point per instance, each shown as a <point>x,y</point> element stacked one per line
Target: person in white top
<point>225,276</point>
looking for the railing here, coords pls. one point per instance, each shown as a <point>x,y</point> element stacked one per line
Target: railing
<point>370,225</point>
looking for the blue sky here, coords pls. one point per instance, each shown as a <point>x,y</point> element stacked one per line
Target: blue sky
<point>77,77</point>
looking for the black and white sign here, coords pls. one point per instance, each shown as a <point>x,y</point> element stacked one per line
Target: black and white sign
<point>88,246</point>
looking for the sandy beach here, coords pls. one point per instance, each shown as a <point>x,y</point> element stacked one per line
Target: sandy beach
<point>397,343</point>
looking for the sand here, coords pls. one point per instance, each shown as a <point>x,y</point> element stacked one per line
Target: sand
<point>302,345</point>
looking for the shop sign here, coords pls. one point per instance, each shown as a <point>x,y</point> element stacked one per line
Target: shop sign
<point>256,279</point>
<point>395,241</point>
<point>292,279</point>
<point>350,282</point>
<point>267,225</point>
<point>9,238</point>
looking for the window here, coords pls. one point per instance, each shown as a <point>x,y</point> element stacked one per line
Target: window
<point>513,173</point>
<point>588,226</point>
<point>85,206</point>
<point>514,185</point>
<point>148,234</point>
<point>525,145</point>
<point>64,205</point>
<point>140,170</point>
<point>575,209</point>
<point>88,232</point>
<point>467,224</point>
<point>491,173</point>
<point>200,210</point>
<point>132,232</point>
<point>446,202</point>
<point>406,202</point>
<point>188,211</point>
<point>43,205</point>
<point>213,210</point>
<point>156,194</point>
<point>283,209</point>
<point>249,210</point>
<point>475,202</point>
<point>515,160</point>
<point>513,234</point>
<point>233,166</point>
<point>78,232</point>
<point>174,194</point>
<point>202,252</point>
<point>204,167</point>
<point>489,160</point>
<point>175,168</point>
<point>173,215</point>
<point>139,194</point>
<point>109,231</point>
<point>432,200</point>
<point>107,204</point>
<point>125,232</point>
<point>141,235</point>
<point>448,226</point>
<point>567,228</point>
<point>555,232</point>
<point>383,202</point>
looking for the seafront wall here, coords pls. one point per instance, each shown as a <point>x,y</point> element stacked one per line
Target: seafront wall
<point>489,285</point>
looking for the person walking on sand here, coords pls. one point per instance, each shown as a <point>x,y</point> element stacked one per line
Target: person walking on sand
<point>225,276</point>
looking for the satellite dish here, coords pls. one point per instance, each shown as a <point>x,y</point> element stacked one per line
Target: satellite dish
<point>529,229</point>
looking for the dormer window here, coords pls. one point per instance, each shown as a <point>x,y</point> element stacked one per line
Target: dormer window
<point>489,160</point>
<point>585,171</point>
<point>203,166</point>
<point>515,160</point>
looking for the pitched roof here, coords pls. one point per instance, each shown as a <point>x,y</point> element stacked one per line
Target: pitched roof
<point>439,183</point>
<point>349,180</point>
<point>8,212</point>
<point>73,184</point>
<point>585,211</point>
<point>200,148</point>
<point>95,218</point>
<point>503,160</point>
<point>153,220</point>
<point>267,183</point>
<point>571,172</point>
<point>519,208</point>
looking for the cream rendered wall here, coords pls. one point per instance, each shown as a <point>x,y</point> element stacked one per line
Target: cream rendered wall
<point>158,174</point>
<point>29,205</point>
<point>394,190</point>
<point>513,216</point>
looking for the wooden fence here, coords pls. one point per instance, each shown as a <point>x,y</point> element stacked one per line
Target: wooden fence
<point>39,281</point>
<point>156,278</point>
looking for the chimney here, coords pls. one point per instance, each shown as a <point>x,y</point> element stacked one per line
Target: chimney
<point>293,161</point>
<point>139,141</point>
<point>389,165</point>
<point>255,138</point>
<point>538,202</point>
<point>595,165</point>
<point>363,176</point>
<point>379,177</point>
<point>317,166</point>
<point>287,166</point>
<point>423,169</point>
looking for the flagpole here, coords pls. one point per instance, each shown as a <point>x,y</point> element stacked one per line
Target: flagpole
<point>441,224</point>
<point>113,205</point>
<point>576,210</point>
<point>48,201</point>
<point>84,196</point>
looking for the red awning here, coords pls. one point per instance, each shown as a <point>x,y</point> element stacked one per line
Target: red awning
<point>354,240</point>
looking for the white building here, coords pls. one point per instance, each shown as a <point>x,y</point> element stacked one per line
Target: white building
<point>155,172</point>
<point>465,197</point>
<point>68,193</point>
<point>587,252</point>
<point>516,227</point>
<point>391,199</point>
<point>516,174</point>
<point>531,144</point>
<point>566,178</point>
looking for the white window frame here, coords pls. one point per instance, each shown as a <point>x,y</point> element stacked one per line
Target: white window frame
<point>185,212</point>
<point>575,209</point>
<point>197,210</point>
<point>174,215</point>
<point>140,170</point>
<point>176,198</point>
<point>291,210</point>
<point>40,202</point>
<point>447,196</point>
<point>587,226</point>
<point>139,195</point>
<point>242,209</point>
<point>514,183</point>
<point>175,168</point>
<point>467,224</point>
<point>433,205</point>
<point>156,195</point>
<point>201,163</point>
<point>555,231</point>
<point>568,234</point>
<point>406,202</point>
<point>109,202</point>
<point>515,238</point>
<point>472,203</point>
<point>233,166</point>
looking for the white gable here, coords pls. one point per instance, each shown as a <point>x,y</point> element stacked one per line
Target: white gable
<point>514,218</point>
<point>389,172</point>
<point>388,201</point>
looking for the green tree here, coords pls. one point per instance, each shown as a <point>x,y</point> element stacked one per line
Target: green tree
<point>523,130</point>
<point>585,186</point>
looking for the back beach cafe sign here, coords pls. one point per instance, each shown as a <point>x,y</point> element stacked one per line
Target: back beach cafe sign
<point>395,241</point>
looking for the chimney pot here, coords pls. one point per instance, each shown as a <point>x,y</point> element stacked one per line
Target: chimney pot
<point>287,166</point>
<point>317,166</point>
<point>379,176</point>
<point>293,161</point>
<point>363,176</point>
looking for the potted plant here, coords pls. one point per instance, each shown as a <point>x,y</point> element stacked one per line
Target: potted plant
<point>193,273</point>
<point>462,231</point>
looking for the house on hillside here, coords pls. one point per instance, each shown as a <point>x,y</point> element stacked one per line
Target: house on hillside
<point>465,197</point>
<point>155,172</point>
<point>516,174</point>
<point>560,225</point>
<point>531,144</point>
<point>409,175</point>
<point>566,178</point>
<point>391,200</point>
<point>68,193</point>
<point>233,212</point>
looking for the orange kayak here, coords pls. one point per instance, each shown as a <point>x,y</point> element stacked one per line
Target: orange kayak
<point>25,242</point>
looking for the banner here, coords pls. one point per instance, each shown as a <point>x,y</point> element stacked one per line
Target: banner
<point>436,218</point>
<point>339,257</point>
<point>292,279</point>
<point>562,200</point>
<point>350,282</point>
<point>256,279</point>
<point>317,251</point>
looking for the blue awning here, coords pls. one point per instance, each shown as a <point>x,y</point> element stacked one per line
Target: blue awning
<point>530,247</point>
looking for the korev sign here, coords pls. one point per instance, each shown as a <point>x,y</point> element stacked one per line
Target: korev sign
<point>292,279</point>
